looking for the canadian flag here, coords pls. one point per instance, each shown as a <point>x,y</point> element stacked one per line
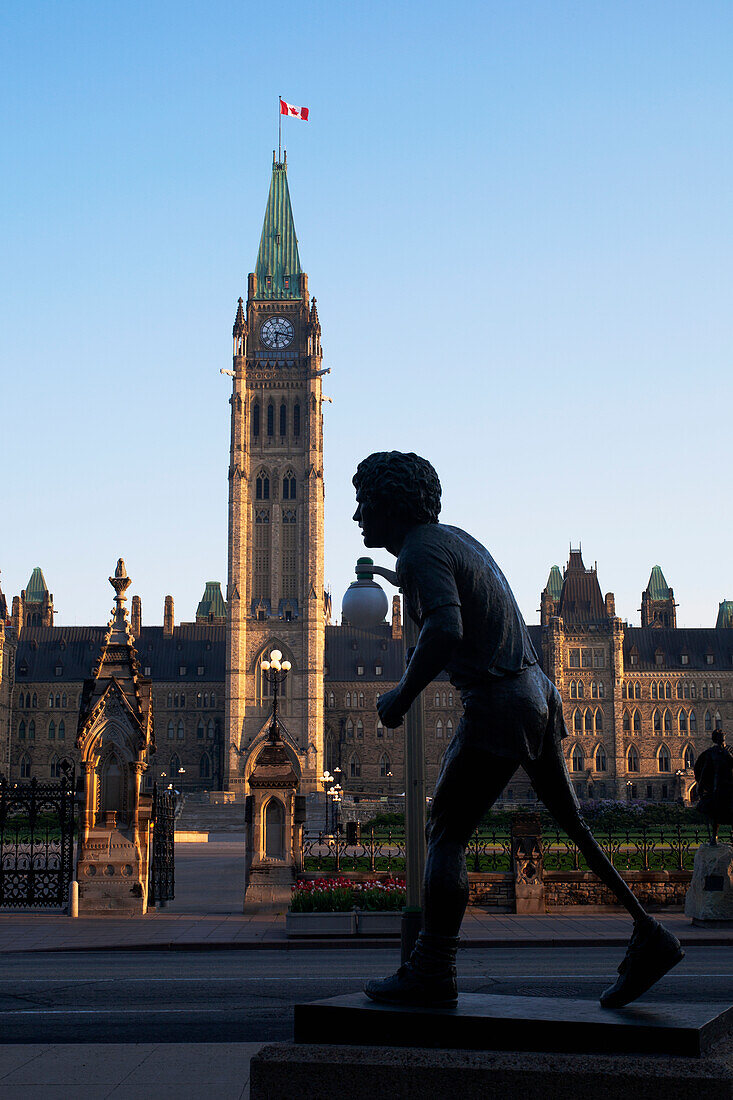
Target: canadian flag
<point>293,112</point>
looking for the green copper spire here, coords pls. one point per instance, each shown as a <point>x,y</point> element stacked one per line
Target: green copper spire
<point>725,615</point>
<point>211,603</point>
<point>657,588</point>
<point>554,583</point>
<point>36,588</point>
<point>278,263</point>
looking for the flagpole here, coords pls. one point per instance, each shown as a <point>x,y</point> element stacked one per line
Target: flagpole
<point>279,129</point>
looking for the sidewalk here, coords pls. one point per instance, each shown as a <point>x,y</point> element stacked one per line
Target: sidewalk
<point>181,931</point>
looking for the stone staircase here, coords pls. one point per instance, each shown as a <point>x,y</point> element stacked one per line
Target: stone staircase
<point>199,816</point>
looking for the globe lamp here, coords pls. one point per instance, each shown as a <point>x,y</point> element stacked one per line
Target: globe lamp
<point>365,602</point>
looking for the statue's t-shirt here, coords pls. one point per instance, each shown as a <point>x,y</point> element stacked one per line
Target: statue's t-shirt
<point>442,566</point>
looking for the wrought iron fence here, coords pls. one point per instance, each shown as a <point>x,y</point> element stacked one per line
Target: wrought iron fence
<point>36,843</point>
<point>657,848</point>
<point>161,877</point>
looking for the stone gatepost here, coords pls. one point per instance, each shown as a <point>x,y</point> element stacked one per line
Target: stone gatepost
<point>527,863</point>
<point>274,816</point>
<point>114,737</point>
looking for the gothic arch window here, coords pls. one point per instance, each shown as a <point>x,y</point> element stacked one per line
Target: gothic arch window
<point>439,729</point>
<point>25,766</point>
<point>626,721</point>
<point>711,691</point>
<point>52,730</point>
<point>588,720</point>
<point>693,722</point>
<point>213,698</point>
<point>199,699</point>
<point>58,700</point>
<point>654,689</point>
<point>175,765</point>
<point>180,733</point>
<point>63,700</point>
<point>718,720</point>
<point>262,488</point>
<point>600,759</point>
<point>175,700</point>
<point>689,757</point>
<point>331,752</point>
<point>35,700</point>
<point>50,700</point>
<point>170,699</point>
<point>693,689</point>
<point>256,418</point>
<point>283,418</point>
<point>289,486</point>
<point>656,721</point>
<point>349,730</point>
<point>632,759</point>
<point>678,689</point>
<point>578,721</point>
<point>449,729</point>
<point>27,700</point>
<point>31,730</point>
<point>668,690</point>
<point>171,730</point>
<point>55,767</point>
<point>204,766</point>
<point>718,691</point>
<point>296,419</point>
<point>206,699</point>
<point>450,698</point>
<point>708,721</point>
<point>354,766</point>
<point>21,731</point>
<point>581,690</point>
<point>599,720</point>
<point>361,698</point>
<point>445,699</point>
<point>61,730</point>
<point>573,690</point>
<point>200,730</point>
<point>348,698</point>
<point>667,721</point>
<point>704,691</point>
<point>385,766</point>
<point>210,729</point>
<point>359,729</point>
<point>21,701</point>
<point>271,419</point>
<point>577,760</point>
<point>380,728</point>
<point>437,698</point>
<point>682,721</point>
<point>331,699</point>
<point>664,760</point>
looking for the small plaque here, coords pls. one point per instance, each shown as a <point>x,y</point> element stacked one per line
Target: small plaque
<point>714,882</point>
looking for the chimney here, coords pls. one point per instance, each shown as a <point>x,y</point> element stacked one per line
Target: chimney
<point>136,616</point>
<point>396,618</point>
<point>17,613</point>
<point>610,605</point>
<point>168,618</point>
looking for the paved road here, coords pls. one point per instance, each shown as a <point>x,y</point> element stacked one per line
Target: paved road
<point>233,996</point>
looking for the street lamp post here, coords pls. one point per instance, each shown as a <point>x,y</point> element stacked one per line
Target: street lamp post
<point>365,605</point>
<point>275,672</point>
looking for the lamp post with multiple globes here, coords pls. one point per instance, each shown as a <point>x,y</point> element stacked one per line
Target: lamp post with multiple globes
<point>275,672</point>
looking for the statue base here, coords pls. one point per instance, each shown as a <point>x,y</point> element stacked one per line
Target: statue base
<point>268,887</point>
<point>112,876</point>
<point>710,896</point>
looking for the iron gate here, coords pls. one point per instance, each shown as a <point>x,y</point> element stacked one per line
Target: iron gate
<point>36,842</point>
<point>162,881</point>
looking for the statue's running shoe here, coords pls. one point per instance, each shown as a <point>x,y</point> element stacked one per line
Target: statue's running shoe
<point>427,979</point>
<point>652,951</point>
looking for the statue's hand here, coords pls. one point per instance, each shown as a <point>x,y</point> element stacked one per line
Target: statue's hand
<point>391,708</point>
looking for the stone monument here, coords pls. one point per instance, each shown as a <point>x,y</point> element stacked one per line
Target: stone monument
<point>115,735</point>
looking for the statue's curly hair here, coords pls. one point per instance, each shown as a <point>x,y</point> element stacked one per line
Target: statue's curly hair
<point>400,482</point>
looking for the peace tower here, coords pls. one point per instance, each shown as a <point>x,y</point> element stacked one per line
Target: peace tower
<point>275,592</point>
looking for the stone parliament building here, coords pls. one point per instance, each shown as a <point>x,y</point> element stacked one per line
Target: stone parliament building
<point>640,702</point>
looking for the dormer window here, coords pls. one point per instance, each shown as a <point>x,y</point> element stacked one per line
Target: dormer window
<point>659,658</point>
<point>286,282</point>
<point>709,659</point>
<point>685,659</point>
<point>59,670</point>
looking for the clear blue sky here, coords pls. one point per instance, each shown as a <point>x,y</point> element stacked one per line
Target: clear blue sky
<point>516,218</point>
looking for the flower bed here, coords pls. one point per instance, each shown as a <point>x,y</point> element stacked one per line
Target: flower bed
<point>342,895</point>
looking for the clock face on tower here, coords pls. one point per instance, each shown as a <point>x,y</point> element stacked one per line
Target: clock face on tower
<point>277,332</point>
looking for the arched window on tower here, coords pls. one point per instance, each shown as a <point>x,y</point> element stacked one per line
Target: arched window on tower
<point>180,732</point>
<point>348,698</point>
<point>601,762</point>
<point>262,487</point>
<point>256,418</point>
<point>578,721</point>
<point>577,760</point>
<point>664,761</point>
<point>693,722</point>
<point>171,731</point>
<point>270,419</point>
<point>573,690</point>
<point>626,722</point>
<point>667,721</point>
<point>708,721</point>
<point>52,730</point>
<point>210,729</point>
<point>385,766</point>
<point>349,729</point>
<point>204,766</point>
<point>689,757</point>
<point>632,759</point>
<point>682,721</point>
<point>599,720</point>
<point>200,730</point>
<point>31,730</point>
<point>657,721</point>
<point>355,766</point>
<point>588,721</point>
<point>55,767</point>
<point>437,699</point>
<point>21,701</point>
<point>359,729</point>
<point>25,766</point>
<point>439,729</point>
<point>283,418</point>
<point>296,419</point>
<point>21,731</point>
<point>289,486</point>
<point>449,729</point>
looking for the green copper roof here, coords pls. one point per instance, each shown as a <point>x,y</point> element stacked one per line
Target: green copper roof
<point>554,583</point>
<point>657,589</point>
<point>36,588</point>
<point>277,259</point>
<point>211,603</point>
<point>725,615</point>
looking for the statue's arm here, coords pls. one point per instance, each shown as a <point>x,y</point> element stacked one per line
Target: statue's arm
<point>441,634</point>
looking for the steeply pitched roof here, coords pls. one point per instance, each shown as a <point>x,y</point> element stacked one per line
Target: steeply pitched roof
<point>696,644</point>
<point>725,615</point>
<point>36,589</point>
<point>657,589</point>
<point>554,583</point>
<point>278,253</point>
<point>211,603</point>
<point>580,599</point>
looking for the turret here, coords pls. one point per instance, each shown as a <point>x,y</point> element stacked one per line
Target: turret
<point>168,618</point>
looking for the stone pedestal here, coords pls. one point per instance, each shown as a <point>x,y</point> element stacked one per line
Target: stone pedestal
<point>112,875</point>
<point>709,899</point>
<point>527,864</point>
